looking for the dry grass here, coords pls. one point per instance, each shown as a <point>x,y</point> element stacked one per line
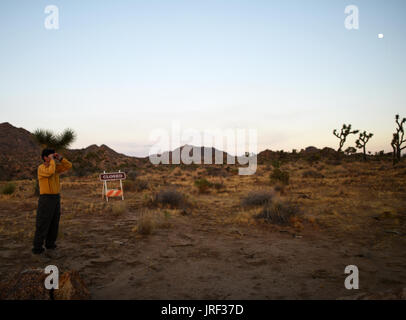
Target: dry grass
<point>170,197</point>
<point>118,208</point>
<point>257,198</point>
<point>278,212</point>
<point>347,199</point>
<point>149,221</point>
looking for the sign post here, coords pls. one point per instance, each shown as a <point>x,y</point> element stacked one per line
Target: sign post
<point>113,176</point>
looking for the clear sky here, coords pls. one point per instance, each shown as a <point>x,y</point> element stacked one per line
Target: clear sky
<point>115,70</point>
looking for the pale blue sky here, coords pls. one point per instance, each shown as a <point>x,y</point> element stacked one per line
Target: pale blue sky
<point>115,70</point>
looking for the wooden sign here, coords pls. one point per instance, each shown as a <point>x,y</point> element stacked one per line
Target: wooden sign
<point>114,176</point>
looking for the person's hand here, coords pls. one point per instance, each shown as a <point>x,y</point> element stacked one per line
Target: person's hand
<point>57,156</point>
<point>51,156</point>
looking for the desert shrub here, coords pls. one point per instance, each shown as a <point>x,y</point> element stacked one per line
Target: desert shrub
<point>8,188</point>
<point>129,185</point>
<point>132,175</point>
<point>149,221</point>
<point>136,185</point>
<point>279,187</point>
<point>278,212</point>
<point>218,186</point>
<point>170,197</point>
<point>312,174</point>
<point>203,185</point>
<point>278,175</point>
<point>313,158</point>
<point>85,170</point>
<point>257,198</point>
<point>141,185</point>
<point>145,224</point>
<point>118,207</point>
<point>216,171</point>
<point>92,155</point>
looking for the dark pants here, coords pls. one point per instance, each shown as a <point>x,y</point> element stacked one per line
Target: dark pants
<point>47,222</point>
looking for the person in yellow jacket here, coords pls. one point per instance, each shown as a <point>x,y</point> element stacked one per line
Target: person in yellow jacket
<point>49,203</point>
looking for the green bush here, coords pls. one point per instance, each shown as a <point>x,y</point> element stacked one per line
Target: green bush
<point>9,188</point>
<point>278,175</point>
<point>203,185</point>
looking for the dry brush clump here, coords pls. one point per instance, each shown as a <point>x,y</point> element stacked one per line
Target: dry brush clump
<point>278,212</point>
<point>203,185</point>
<point>257,198</point>
<point>149,221</point>
<point>170,197</point>
<point>278,175</point>
<point>8,188</point>
<point>137,185</point>
<point>217,171</point>
<point>312,174</point>
<point>118,208</point>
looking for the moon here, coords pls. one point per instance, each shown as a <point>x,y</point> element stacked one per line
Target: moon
<point>380,36</point>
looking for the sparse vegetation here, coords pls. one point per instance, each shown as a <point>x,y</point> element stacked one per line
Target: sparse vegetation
<point>278,175</point>
<point>8,188</point>
<point>345,131</point>
<point>145,224</point>
<point>312,174</point>
<point>170,197</point>
<point>216,171</point>
<point>118,207</point>
<point>203,185</point>
<point>278,212</point>
<point>137,185</point>
<point>257,198</point>
<point>150,221</point>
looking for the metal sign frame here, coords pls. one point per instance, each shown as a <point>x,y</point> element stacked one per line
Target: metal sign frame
<point>120,177</point>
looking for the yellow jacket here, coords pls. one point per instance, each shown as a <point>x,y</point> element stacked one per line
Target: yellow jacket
<point>48,177</point>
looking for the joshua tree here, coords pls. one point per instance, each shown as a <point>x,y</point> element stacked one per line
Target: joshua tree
<point>362,142</point>
<point>48,139</point>
<point>398,139</point>
<point>345,131</point>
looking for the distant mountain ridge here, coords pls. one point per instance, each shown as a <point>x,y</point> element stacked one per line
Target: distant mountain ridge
<point>20,156</point>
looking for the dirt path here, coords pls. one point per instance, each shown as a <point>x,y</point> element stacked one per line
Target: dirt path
<point>198,258</point>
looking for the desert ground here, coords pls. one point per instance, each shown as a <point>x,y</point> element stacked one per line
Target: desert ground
<point>211,244</point>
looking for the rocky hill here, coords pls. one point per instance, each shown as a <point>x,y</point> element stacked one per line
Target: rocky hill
<point>20,156</point>
<point>19,153</point>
